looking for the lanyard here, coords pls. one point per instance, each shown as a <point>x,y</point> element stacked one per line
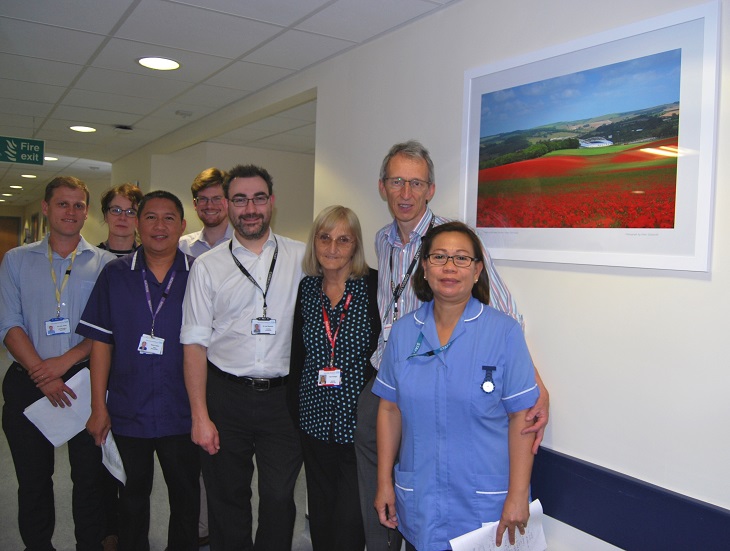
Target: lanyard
<point>55,281</point>
<point>165,294</point>
<point>328,328</point>
<point>244,271</point>
<point>430,352</point>
<point>398,289</point>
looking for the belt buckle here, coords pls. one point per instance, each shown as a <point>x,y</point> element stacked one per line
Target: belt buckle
<point>260,385</point>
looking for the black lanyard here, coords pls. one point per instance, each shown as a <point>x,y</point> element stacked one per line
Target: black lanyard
<point>244,271</point>
<point>398,289</point>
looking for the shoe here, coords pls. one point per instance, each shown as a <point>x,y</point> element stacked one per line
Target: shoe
<point>110,543</point>
<point>203,541</point>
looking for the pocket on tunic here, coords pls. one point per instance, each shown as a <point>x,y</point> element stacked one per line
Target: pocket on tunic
<point>405,501</point>
<point>489,494</point>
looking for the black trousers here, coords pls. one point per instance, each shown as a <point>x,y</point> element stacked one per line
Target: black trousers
<point>248,422</point>
<point>33,457</point>
<point>180,463</point>
<point>335,522</point>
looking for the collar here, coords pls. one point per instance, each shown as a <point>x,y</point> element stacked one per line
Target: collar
<point>42,246</point>
<point>226,236</point>
<point>180,264</point>
<point>418,232</point>
<point>270,243</point>
<point>424,318</point>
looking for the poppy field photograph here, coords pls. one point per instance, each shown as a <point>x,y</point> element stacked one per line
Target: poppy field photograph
<point>591,149</point>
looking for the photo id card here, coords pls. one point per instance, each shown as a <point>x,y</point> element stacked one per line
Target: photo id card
<point>329,376</point>
<point>151,345</point>
<point>386,331</point>
<point>58,326</point>
<point>263,326</point>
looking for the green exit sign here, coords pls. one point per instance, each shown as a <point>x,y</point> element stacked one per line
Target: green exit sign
<point>21,150</point>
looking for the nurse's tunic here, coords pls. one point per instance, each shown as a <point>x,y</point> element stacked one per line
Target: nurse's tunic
<point>453,469</point>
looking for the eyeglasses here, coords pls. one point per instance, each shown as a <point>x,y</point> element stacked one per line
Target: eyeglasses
<point>341,241</point>
<point>459,260</point>
<point>200,200</point>
<point>257,200</point>
<point>400,183</point>
<point>117,211</point>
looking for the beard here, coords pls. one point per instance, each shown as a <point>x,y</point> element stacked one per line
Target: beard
<point>251,232</point>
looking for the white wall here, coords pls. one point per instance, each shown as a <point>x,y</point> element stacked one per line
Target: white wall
<point>636,360</point>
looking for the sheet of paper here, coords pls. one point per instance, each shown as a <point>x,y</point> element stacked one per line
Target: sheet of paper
<point>112,460</point>
<point>485,538</point>
<point>59,424</point>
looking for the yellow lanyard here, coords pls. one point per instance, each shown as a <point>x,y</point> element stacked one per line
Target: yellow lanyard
<point>55,281</point>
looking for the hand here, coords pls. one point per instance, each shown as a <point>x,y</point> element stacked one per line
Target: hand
<point>385,506</point>
<point>205,435</point>
<point>99,425</point>
<point>58,393</point>
<point>48,370</point>
<point>515,514</point>
<point>539,413</point>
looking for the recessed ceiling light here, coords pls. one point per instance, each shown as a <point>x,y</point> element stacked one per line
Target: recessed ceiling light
<point>16,187</point>
<point>2,200</point>
<point>50,158</point>
<point>82,129</point>
<point>28,176</point>
<point>159,63</point>
<point>7,194</point>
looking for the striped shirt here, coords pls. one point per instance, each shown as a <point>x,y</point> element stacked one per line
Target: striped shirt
<point>394,259</point>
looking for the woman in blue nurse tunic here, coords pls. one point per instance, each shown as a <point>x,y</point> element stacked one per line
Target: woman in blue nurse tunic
<point>454,383</point>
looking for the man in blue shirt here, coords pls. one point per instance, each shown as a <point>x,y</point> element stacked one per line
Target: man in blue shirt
<point>44,287</point>
<point>134,317</point>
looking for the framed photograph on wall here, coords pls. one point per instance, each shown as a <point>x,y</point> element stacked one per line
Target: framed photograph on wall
<point>599,151</point>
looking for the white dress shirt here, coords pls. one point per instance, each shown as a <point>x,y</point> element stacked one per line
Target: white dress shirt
<point>221,301</point>
<point>195,243</point>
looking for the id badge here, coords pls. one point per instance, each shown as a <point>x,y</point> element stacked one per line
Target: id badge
<point>386,331</point>
<point>58,326</point>
<point>263,326</point>
<point>329,376</point>
<point>151,345</point>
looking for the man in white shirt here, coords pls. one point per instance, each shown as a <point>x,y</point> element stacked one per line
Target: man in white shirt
<point>236,372</point>
<point>212,209</point>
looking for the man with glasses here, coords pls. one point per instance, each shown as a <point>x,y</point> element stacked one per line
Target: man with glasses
<point>237,327</point>
<point>212,209</point>
<point>407,183</point>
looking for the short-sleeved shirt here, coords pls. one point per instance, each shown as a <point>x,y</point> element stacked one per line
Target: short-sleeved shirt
<point>147,396</point>
<point>328,413</point>
<point>453,468</point>
<point>221,303</point>
<point>28,298</point>
<point>194,244</point>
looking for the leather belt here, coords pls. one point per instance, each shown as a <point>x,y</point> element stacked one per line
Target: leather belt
<point>257,383</point>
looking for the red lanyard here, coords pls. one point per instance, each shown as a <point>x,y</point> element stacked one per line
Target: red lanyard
<point>328,328</point>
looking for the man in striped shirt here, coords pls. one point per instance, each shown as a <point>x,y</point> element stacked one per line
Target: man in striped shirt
<point>407,182</point>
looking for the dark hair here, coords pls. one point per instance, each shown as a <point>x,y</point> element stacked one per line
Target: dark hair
<point>161,194</point>
<point>130,191</point>
<point>208,178</point>
<point>413,150</point>
<point>247,171</point>
<point>65,181</point>
<point>423,291</point>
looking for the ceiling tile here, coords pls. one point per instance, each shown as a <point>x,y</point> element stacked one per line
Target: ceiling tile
<point>15,89</point>
<point>100,16</point>
<point>210,96</point>
<point>102,100</point>
<point>104,80</point>
<point>296,50</point>
<point>42,71</point>
<point>358,21</point>
<point>43,41</point>
<point>248,76</point>
<point>279,12</point>
<point>30,108</point>
<point>182,27</point>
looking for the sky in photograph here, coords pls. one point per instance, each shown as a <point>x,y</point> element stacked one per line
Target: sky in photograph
<point>635,84</point>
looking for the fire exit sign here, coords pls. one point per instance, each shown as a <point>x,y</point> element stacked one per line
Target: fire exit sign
<point>21,150</point>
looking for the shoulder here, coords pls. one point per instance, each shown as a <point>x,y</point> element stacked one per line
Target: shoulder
<point>191,237</point>
<point>289,243</point>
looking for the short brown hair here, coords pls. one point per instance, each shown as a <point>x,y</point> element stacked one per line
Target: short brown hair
<point>65,181</point>
<point>423,291</point>
<point>208,178</point>
<point>128,190</point>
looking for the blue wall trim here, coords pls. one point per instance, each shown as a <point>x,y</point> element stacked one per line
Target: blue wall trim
<point>624,511</point>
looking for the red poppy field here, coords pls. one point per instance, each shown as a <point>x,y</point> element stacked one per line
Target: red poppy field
<point>607,187</point>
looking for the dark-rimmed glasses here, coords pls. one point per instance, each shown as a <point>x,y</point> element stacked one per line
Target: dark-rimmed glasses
<point>399,183</point>
<point>201,200</point>
<point>459,260</point>
<point>257,200</point>
<point>117,211</point>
